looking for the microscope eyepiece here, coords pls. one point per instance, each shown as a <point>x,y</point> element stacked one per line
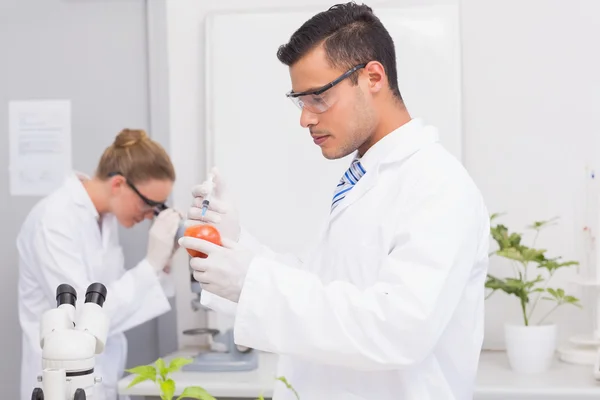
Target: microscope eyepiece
<point>96,293</point>
<point>65,294</point>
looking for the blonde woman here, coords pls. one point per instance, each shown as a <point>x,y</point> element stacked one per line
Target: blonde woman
<point>71,236</point>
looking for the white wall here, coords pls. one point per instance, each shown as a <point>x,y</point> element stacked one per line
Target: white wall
<point>530,114</point>
<point>531,99</point>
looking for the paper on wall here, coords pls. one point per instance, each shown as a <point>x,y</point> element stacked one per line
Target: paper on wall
<point>40,145</point>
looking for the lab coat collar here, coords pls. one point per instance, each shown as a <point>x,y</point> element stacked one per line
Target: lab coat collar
<point>394,147</point>
<point>80,196</point>
<point>380,150</point>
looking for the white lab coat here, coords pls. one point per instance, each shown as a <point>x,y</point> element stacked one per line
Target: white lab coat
<point>63,240</point>
<point>390,304</point>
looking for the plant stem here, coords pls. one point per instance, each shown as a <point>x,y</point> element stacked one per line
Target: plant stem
<point>540,295</point>
<point>515,266</point>
<point>537,233</point>
<point>524,312</point>
<point>549,312</point>
<point>533,247</point>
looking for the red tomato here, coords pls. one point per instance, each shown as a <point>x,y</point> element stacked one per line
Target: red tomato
<point>206,232</point>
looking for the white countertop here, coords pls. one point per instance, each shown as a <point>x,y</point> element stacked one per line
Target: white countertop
<point>495,381</point>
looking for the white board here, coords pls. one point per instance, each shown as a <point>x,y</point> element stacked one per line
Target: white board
<point>282,184</point>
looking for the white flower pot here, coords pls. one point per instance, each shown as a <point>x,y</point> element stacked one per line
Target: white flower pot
<point>530,349</point>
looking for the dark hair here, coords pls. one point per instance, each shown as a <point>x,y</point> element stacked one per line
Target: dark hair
<point>351,35</point>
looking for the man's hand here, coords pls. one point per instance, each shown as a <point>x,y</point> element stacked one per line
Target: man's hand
<point>224,269</point>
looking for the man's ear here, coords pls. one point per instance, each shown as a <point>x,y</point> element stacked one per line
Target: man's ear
<point>376,75</point>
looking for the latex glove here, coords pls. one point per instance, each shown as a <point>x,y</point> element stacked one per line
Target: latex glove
<point>161,239</point>
<point>221,212</point>
<point>224,269</point>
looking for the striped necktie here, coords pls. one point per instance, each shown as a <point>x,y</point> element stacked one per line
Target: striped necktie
<point>349,179</point>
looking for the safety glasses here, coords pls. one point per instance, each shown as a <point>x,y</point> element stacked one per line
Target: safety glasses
<point>156,206</point>
<point>316,100</point>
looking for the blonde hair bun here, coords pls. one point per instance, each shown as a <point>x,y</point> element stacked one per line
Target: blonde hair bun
<point>130,137</point>
<point>136,156</point>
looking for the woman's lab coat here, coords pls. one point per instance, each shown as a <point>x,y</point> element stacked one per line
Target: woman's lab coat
<point>390,304</point>
<point>63,240</point>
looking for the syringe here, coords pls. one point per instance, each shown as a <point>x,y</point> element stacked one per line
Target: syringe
<point>206,201</point>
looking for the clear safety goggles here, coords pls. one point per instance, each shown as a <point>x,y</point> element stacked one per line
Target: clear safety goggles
<point>317,100</point>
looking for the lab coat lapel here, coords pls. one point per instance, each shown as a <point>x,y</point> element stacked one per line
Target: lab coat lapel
<point>359,189</point>
<point>110,254</point>
<point>82,200</point>
<point>408,143</point>
<point>113,258</point>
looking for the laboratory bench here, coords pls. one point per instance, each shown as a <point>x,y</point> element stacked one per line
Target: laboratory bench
<point>495,381</point>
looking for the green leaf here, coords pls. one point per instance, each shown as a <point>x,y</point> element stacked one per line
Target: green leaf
<point>288,385</point>
<point>161,368</point>
<point>522,254</point>
<point>503,239</point>
<point>136,380</point>
<point>554,264</point>
<point>572,300</point>
<point>539,225</point>
<point>514,286</point>
<point>495,215</point>
<point>147,371</point>
<point>177,363</point>
<point>561,297</point>
<point>168,388</point>
<point>195,392</point>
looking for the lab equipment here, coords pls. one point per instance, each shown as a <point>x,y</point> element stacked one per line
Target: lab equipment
<point>584,348</point>
<point>69,347</point>
<point>221,211</point>
<point>223,355</point>
<point>206,200</point>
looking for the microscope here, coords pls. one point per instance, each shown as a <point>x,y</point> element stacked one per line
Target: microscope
<point>69,347</point>
<point>224,355</point>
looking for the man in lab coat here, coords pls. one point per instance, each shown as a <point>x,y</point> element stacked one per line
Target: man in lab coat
<point>390,304</point>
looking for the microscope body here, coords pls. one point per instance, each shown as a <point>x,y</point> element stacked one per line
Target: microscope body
<point>70,340</point>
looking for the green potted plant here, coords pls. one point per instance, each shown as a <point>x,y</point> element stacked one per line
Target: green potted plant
<point>159,373</point>
<point>530,345</point>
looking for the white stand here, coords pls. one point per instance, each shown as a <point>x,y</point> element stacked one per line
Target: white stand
<point>585,349</point>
